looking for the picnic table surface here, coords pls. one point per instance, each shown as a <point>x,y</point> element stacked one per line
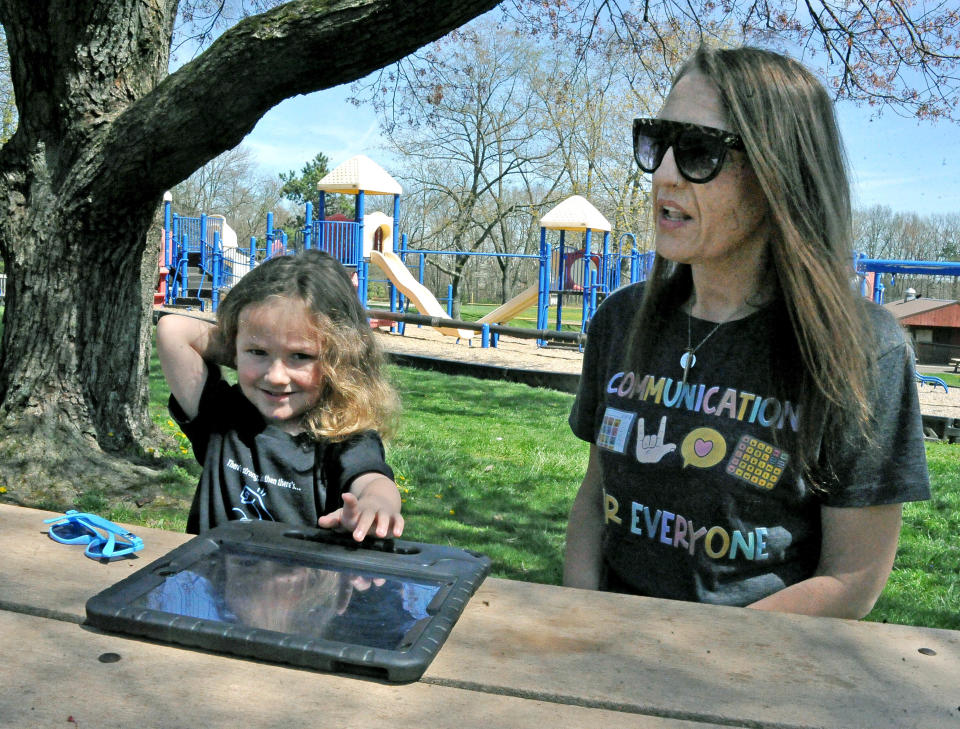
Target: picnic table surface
<point>521,655</point>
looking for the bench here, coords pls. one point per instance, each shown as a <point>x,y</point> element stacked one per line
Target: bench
<point>955,361</point>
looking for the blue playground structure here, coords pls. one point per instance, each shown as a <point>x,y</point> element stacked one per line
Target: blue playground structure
<point>202,258</point>
<point>869,272</point>
<point>866,266</point>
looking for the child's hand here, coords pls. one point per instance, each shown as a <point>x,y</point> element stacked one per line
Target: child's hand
<point>371,505</point>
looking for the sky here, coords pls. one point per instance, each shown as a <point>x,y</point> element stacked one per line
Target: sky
<point>905,164</point>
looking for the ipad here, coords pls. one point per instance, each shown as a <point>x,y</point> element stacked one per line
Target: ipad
<point>308,597</point>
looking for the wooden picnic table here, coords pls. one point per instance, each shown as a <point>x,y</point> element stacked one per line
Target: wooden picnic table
<point>521,655</point>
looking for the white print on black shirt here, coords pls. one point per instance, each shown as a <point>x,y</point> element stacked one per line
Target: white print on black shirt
<point>252,496</point>
<point>254,499</point>
<point>266,478</point>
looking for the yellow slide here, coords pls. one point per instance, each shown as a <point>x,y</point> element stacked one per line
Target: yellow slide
<point>506,312</point>
<point>419,294</point>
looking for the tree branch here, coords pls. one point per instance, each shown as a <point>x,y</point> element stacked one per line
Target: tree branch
<point>297,48</point>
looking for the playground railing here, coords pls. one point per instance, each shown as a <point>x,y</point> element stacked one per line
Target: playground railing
<point>935,352</point>
<point>236,263</point>
<point>339,238</point>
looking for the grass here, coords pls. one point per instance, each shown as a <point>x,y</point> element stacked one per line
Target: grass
<point>924,588</point>
<point>489,466</point>
<point>492,466</point>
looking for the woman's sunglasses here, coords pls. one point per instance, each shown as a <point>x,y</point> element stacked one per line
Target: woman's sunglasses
<point>104,539</point>
<point>698,151</point>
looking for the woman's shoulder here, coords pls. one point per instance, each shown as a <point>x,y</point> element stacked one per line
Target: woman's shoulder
<point>617,310</point>
<point>624,301</point>
<point>884,331</point>
<point>630,292</point>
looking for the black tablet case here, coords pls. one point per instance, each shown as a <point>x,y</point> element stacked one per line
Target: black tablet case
<point>402,598</point>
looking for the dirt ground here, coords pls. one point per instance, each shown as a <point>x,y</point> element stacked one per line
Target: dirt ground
<point>524,354</point>
<point>509,352</point>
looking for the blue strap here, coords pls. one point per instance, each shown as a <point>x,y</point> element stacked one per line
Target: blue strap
<point>118,541</point>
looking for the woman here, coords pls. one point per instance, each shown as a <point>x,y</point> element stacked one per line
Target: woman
<point>754,424</point>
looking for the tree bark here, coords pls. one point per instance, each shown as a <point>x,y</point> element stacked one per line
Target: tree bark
<point>103,132</point>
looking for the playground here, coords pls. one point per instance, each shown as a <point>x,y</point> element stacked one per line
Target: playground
<point>575,267</point>
<point>561,283</point>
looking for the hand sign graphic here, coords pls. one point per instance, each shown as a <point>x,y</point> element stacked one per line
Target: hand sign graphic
<point>651,448</point>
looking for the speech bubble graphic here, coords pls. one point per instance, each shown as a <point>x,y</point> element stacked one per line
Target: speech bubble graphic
<point>703,448</point>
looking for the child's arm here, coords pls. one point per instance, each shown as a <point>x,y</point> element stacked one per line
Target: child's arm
<point>373,503</point>
<point>183,343</point>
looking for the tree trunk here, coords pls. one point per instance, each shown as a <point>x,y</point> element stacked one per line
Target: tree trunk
<point>103,132</point>
<point>75,365</point>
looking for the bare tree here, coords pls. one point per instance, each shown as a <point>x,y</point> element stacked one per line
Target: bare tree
<point>233,185</point>
<point>500,125</point>
<point>898,54</point>
<point>881,233</point>
<point>465,135</point>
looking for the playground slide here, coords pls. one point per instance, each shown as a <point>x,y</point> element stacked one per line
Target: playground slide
<point>506,312</point>
<point>419,294</point>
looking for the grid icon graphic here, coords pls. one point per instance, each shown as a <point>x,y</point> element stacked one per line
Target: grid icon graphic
<point>615,430</point>
<point>757,463</point>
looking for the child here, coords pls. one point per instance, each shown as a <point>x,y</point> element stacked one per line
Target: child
<point>296,439</point>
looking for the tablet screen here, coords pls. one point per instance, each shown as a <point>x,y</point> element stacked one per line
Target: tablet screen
<point>268,592</point>
<point>303,596</point>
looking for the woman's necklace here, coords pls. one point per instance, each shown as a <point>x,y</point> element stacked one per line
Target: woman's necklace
<point>688,359</point>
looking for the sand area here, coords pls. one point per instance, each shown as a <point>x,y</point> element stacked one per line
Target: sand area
<point>524,354</point>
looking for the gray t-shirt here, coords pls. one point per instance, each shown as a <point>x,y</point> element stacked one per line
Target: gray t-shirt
<point>700,500</point>
<point>252,470</point>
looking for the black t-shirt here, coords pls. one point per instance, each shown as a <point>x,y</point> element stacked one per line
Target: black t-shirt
<point>700,500</point>
<point>253,470</point>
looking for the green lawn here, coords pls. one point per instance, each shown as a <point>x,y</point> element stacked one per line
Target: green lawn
<point>924,588</point>
<point>489,466</point>
<point>492,466</point>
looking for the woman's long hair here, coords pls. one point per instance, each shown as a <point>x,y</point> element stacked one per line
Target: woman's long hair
<point>354,394</point>
<point>787,122</point>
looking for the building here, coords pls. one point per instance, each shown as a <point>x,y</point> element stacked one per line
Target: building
<point>933,325</point>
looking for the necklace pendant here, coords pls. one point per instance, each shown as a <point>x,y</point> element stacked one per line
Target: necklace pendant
<point>687,360</point>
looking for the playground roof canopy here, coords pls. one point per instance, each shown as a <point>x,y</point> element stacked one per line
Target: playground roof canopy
<point>575,213</point>
<point>928,268</point>
<point>359,173</point>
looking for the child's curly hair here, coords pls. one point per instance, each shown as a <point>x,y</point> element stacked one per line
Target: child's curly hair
<point>354,395</point>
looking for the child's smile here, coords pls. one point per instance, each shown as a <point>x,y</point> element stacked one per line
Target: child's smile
<point>277,354</point>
